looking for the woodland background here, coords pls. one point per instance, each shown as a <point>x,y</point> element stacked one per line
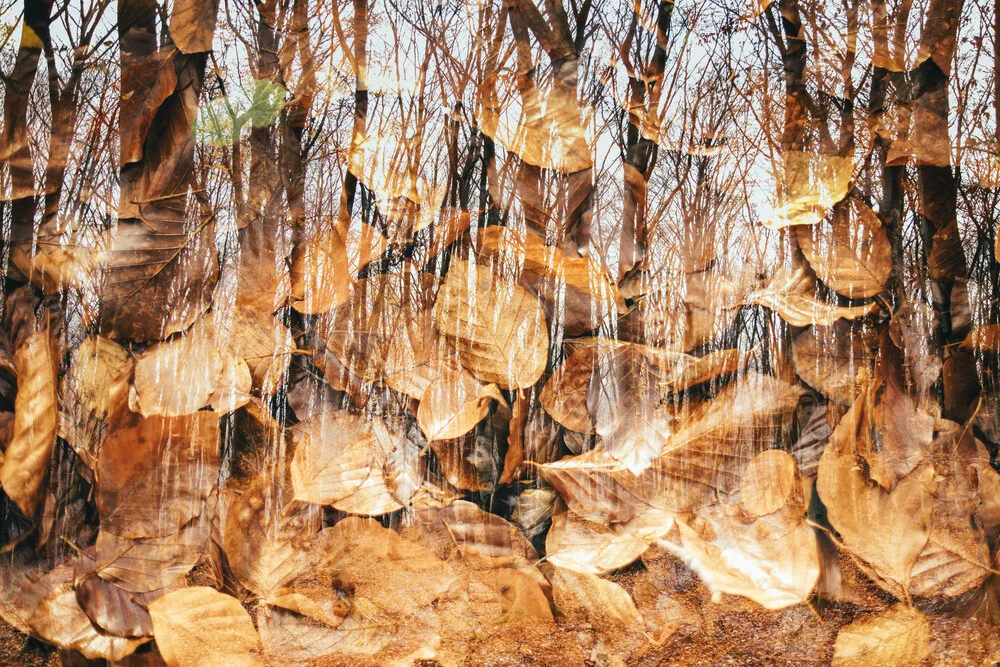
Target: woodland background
<point>499,332</point>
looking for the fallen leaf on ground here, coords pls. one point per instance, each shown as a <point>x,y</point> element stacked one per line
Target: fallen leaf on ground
<point>900,636</point>
<point>200,627</point>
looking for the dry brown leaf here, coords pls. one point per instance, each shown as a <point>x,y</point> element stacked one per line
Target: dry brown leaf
<point>604,604</point>
<point>288,636</point>
<point>900,636</point>
<point>720,438</point>
<point>792,294</point>
<point>467,463</point>
<point>695,371</point>
<point>85,392</point>
<point>544,128</point>
<point>321,604</point>
<point>810,184</point>
<point>918,131</point>
<point>478,535</point>
<point>339,459</point>
<point>179,376</point>
<point>161,272</point>
<point>829,359</point>
<point>895,429</point>
<point>385,332</point>
<point>564,396</point>
<point>498,328</point>
<point>575,290</point>
<point>523,598</point>
<point>454,403</point>
<point>266,537</point>
<point>400,576</point>
<point>146,84</point>
<point>148,564</point>
<point>770,482</point>
<point>201,627</point>
<point>580,545</point>
<point>624,399</point>
<point>25,467</point>
<point>533,511</point>
<point>233,390</point>
<point>111,608</point>
<point>849,250</point>
<point>54,615</point>
<point>264,343</point>
<point>598,488</point>
<point>192,25</point>
<point>155,473</point>
<point>886,529</point>
<point>956,558</point>
<point>773,560</point>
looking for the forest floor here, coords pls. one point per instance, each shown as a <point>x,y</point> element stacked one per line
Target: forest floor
<point>694,630</point>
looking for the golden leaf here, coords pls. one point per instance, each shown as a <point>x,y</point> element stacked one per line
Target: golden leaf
<point>454,403</point>
<point>848,250</point>
<point>498,328</point>
<point>201,627</point>
<point>339,459</point>
<point>25,467</point>
<point>900,636</point>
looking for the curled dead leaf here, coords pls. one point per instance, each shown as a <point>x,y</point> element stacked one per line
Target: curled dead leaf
<point>454,403</point>
<point>25,467</point>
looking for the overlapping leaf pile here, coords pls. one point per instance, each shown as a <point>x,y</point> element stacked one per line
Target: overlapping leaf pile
<point>419,431</point>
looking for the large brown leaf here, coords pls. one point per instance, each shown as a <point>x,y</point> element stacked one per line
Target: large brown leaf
<point>25,467</point>
<point>576,291</point>
<point>849,250</point>
<point>53,614</point>
<point>145,564</point>
<point>454,403</point>
<point>267,536</point>
<point>177,377</point>
<point>386,332</point>
<point>477,534</point>
<point>339,460</point>
<point>956,558</point>
<point>624,399</point>
<point>829,358</point>
<point>146,84</point>
<point>810,185</point>
<point>792,294</point>
<point>722,436</point>
<point>772,560</point>
<point>110,607</point>
<point>900,636</point>
<point>200,627</point>
<point>564,396</point>
<point>85,393</point>
<point>160,276</point>
<point>603,604</point>
<point>498,328</point>
<point>886,529</point>
<point>155,473</point>
<point>544,127</point>
<point>192,24</point>
<point>577,544</point>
